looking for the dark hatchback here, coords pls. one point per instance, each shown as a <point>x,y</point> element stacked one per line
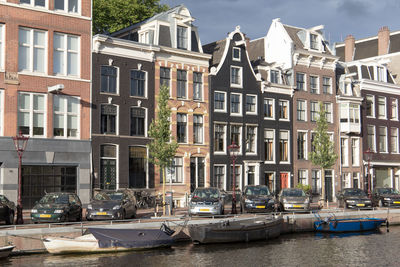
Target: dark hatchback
<point>386,197</point>
<point>257,198</point>
<point>112,205</point>
<point>354,198</point>
<point>57,207</point>
<point>7,210</point>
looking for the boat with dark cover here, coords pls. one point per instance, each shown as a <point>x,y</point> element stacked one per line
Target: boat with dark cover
<point>227,231</point>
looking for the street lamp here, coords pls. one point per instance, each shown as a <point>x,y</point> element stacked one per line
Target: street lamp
<point>233,151</point>
<point>368,155</point>
<point>20,142</point>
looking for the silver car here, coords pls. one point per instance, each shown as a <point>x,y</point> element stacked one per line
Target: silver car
<point>207,201</point>
<point>294,199</point>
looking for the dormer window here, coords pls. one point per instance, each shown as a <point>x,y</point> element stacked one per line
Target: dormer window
<point>144,37</point>
<point>236,54</point>
<point>274,76</point>
<point>380,74</point>
<point>314,41</point>
<point>182,37</point>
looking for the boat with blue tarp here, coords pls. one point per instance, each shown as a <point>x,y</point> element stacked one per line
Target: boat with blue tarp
<point>334,225</point>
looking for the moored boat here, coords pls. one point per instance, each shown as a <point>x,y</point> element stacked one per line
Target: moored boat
<point>5,251</point>
<point>257,228</point>
<point>334,225</point>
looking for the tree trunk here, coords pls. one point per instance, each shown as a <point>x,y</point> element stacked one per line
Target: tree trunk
<point>323,186</point>
<point>163,190</point>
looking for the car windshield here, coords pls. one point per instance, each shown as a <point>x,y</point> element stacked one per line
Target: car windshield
<point>257,191</point>
<point>206,193</point>
<point>101,196</point>
<point>354,192</point>
<point>54,199</point>
<point>115,195</point>
<point>293,193</point>
<point>388,191</point>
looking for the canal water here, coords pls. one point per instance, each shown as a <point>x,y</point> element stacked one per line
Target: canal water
<point>307,249</point>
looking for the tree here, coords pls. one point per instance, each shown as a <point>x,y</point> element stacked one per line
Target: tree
<point>323,154</point>
<point>163,147</point>
<point>114,15</point>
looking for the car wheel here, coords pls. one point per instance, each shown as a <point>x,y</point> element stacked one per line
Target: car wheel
<point>10,218</point>
<point>380,203</point>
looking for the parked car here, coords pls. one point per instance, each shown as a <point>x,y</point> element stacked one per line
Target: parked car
<point>257,198</point>
<point>293,199</point>
<point>109,205</point>
<point>57,207</point>
<point>354,198</point>
<point>385,197</point>
<point>7,210</point>
<point>206,201</point>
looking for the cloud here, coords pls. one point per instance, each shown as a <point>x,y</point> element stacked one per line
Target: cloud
<point>354,8</point>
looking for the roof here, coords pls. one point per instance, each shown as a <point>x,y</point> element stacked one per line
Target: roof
<point>256,49</point>
<point>292,32</point>
<point>216,49</point>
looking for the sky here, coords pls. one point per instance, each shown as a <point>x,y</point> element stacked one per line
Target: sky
<point>361,18</point>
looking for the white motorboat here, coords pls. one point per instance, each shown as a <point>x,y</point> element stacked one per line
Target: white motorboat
<point>5,251</point>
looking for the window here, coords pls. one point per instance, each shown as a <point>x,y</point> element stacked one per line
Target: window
<point>269,144</point>
<point>219,101</point>
<point>108,79</point>
<point>371,137</point>
<point>394,140</point>
<point>219,177</point>
<point>251,173</point>
<point>235,104</point>
<point>302,145</point>
<point>219,137</point>
<point>313,136</point>
<point>314,111</point>
<point>236,76</point>
<point>236,176</point>
<point>394,109</point>
<point>197,86</point>
<point>40,3</point>
<point>174,173</point>
<point>66,54</point>
<point>181,128</point>
<point>31,114</point>
<point>328,112</point>
<point>236,132</point>
<point>355,152</point>
<point>182,37</point>
<point>236,53</point>
<point>381,107</point>
<point>138,118</point>
<point>198,129</point>
<point>344,151</point>
<point>270,181</point>
<point>137,167</point>
<point>327,85</point>
<point>181,83</point>
<point>66,116</point>
<point>354,113</point>
<point>268,108</point>
<point>283,109</point>
<point>316,181</point>
<point>197,172</point>
<point>251,104</point>
<point>165,76</point>
<point>274,76</point>
<point>32,50</point>
<point>380,74</point>
<point>302,175</point>
<point>67,5</point>
<point>144,37</point>
<point>251,139</point>
<point>138,83</point>
<point>382,139</point>
<point>370,106</point>
<point>314,85</point>
<point>108,119</point>
<point>301,110</point>
<point>108,166</point>
<point>314,41</point>
<point>300,81</point>
<point>284,146</point>
<point>355,179</point>
<point>2,51</point>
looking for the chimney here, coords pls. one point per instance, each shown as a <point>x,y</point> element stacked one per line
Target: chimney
<point>349,44</point>
<point>383,40</point>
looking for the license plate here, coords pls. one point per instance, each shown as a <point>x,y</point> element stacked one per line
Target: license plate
<point>45,216</point>
<point>204,209</point>
<point>101,213</point>
<point>260,207</point>
<point>360,205</point>
<point>396,202</point>
<point>297,206</point>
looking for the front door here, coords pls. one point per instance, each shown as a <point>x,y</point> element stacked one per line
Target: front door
<point>328,185</point>
<point>284,180</point>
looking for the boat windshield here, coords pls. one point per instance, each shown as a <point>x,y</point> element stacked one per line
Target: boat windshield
<point>101,196</point>
<point>115,195</point>
<point>293,193</point>
<point>206,193</point>
<point>54,199</point>
<point>354,192</point>
<point>257,191</point>
<point>388,191</point>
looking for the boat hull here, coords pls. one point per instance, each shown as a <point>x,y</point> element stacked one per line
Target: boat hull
<point>348,225</point>
<point>236,231</point>
<point>5,251</point>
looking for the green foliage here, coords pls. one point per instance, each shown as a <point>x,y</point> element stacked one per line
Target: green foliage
<point>113,15</point>
<point>323,154</point>
<point>305,187</point>
<point>163,147</point>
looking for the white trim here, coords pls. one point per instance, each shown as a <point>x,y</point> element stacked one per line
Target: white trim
<point>31,45</point>
<point>146,81</point>
<point>306,143</point>
<point>2,46</point>
<point>223,152</point>
<point>240,113</point>
<point>288,109</point>
<point>255,139</point>
<point>384,116</point>
<point>273,109</point>
<point>66,114</point>
<point>66,51</point>
<point>240,74</point>
<point>31,112</point>
<point>116,81</point>
<point>256,105</point>
<point>381,87</point>
<point>224,182</point>
<point>225,101</point>
<point>240,137</point>
<point>233,53</point>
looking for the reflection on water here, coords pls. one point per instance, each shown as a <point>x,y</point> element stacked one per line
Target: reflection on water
<point>366,249</point>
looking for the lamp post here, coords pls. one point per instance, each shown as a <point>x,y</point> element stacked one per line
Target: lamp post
<point>20,142</point>
<point>233,151</point>
<point>368,154</point>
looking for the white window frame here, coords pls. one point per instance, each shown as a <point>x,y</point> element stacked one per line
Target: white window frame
<point>225,138</point>
<point>240,185</point>
<point>66,52</point>
<point>315,111</point>
<point>374,149</point>
<point>355,148</point>
<point>383,116</point>
<point>256,105</point>
<point>224,177</point>
<point>380,73</point>
<point>372,106</point>
<point>31,50</point>
<point>240,136</point>
<point>240,84</point>
<point>317,42</point>
<point>288,148</point>
<point>279,81</point>
<point>116,80</point>
<point>317,78</point>
<point>188,36</point>
<point>201,87</point>
<point>65,114</point>
<point>288,109</point>
<point>186,85</point>
<point>145,83</point>
<point>186,128</point>
<point>202,128</point>
<point>116,119</point>
<point>306,176</point>
<point>396,115</point>
<point>255,139</point>
<point>345,151</point>
<point>273,109</point>
<point>240,113</point>
<point>144,36</point>
<point>225,102</point>
<point>397,140</point>
<point>386,139</point>
<point>32,4</point>
<point>330,118</point>
<point>256,176</point>
<point>31,112</point>
<point>273,180</point>
<point>233,53</point>
<point>273,145</point>
<point>66,4</point>
<point>304,82</point>
<point>2,45</point>
<point>145,121</point>
<point>305,109</point>
<point>330,84</point>
<point>305,145</point>
<point>168,174</point>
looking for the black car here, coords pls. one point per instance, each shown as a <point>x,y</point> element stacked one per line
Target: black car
<point>112,205</point>
<point>7,210</point>
<point>57,207</point>
<point>354,198</point>
<point>257,198</point>
<point>386,197</point>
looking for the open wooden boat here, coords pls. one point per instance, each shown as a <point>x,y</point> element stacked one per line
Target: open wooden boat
<point>334,225</point>
<point>226,231</point>
<point>109,240</point>
<point>5,251</point>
